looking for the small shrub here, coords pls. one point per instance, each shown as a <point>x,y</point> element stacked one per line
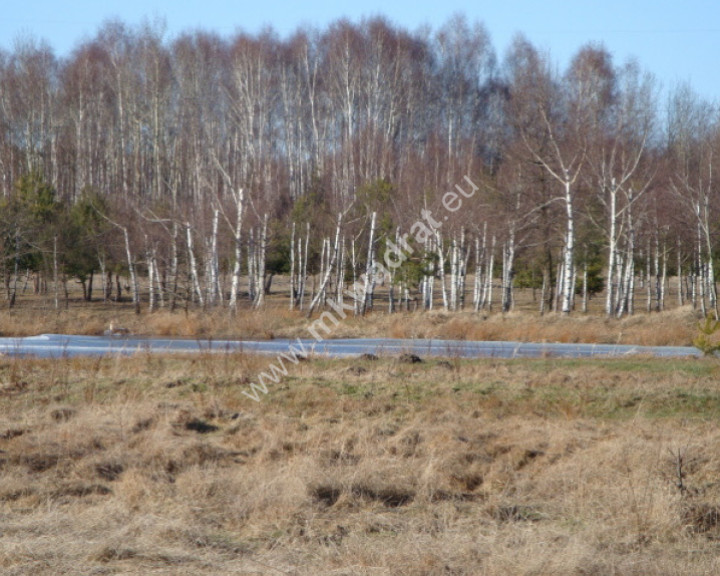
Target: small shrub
<point>704,341</point>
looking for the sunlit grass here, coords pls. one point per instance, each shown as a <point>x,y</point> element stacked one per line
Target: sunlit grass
<point>160,464</point>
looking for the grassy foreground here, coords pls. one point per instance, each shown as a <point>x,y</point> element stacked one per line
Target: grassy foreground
<point>160,465</point>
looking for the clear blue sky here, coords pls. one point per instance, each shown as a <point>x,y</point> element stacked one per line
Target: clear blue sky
<point>678,41</point>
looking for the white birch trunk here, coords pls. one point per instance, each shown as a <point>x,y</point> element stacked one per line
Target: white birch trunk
<point>303,280</point>
<point>488,299</point>
<point>559,279</point>
<point>648,287</point>
<point>251,258</point>
<point>681,300</point>
<point>701,275</point>
<point>55,272</point>
<point>441,268</point>
<point>663,280</point>
<point>293,295</point>
<point>260,269</point>
<point>323,266</point>
<point>508,265</point>
<point>151,276</point>
<point>478,276</point>
<point>431,276</point>
<point>353,265</point>
<point>585,287</point>
<point>193,267</point>
<point>631,289</point>
<point>453,274</point>
<point>612,252</point>
<point>340,276</point>
<point>174,267</point>
<point>328,272</point>
<point>427,271</point>
<point>158,279</point>
<point>237,237</point>
<point>369,266</point>
<point>214,292</point>
<point>464,259</point>
<point>568,264</point>
<point>711,289</point>
<point>658,279</point>
<point>133,276</point>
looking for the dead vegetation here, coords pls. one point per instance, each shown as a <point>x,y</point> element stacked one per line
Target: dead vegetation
<point>678,326</point>
<point>154,465</point>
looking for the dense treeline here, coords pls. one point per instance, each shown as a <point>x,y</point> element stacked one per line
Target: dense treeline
<point>194,161</point>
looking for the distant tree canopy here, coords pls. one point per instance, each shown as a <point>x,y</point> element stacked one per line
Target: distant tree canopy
<point>133,148</point>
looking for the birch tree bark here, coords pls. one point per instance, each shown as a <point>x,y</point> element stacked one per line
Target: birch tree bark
<point>369,268</point>
<point>330,267</point>
<point>194,276</point>
<point>293,291</point>
<point>239,197</point>
<point>260,267</point>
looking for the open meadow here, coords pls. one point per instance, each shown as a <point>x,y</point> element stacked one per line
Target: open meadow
<point>160,465</point>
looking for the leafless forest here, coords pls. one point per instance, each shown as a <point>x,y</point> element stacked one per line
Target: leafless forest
<point>189,171</point>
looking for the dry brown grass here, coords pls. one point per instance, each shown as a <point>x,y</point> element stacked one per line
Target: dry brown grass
<point>677,326</point>
<point>159,465</point>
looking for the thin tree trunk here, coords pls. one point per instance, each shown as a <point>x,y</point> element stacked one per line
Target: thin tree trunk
<point>648,287</point>
<point>214,291</point>
<point>663,280</point>
<point>612,253</point>
<point>681,300</point>
<point>151,277</point>
<point>488,297</point>
<point>55,271</point>
<point>292,268</point>
<point>251,258</point>
<point>340,276</point>
<point>237,237</point>
<point>103,271</point>
<point>585,287</point>
<point>391,288</point>
<point>464,259</point>
<point>568,264</point>
<point>453,274</point>
<point>658,279</point>
<point>158,279</point>
<point>328,272</point>
<point>353,265</point>
<point>118,288</point>
<point>260,281</point>
<point>508,273</point>
<point>543,292</point>
<point>560,282</point>
<point>193,267</point>
<point>133,275</point>
<point>369,267</point>
<point>701,274</point>
<point>303,282</point>
<point>441,268</point>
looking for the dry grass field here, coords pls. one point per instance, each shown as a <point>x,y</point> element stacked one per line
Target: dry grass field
<point>159,465</point>
<point>677,326</point>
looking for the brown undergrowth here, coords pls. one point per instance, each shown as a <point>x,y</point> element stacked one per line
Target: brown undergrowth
<point>675,327</point>
<point>159,465</point>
